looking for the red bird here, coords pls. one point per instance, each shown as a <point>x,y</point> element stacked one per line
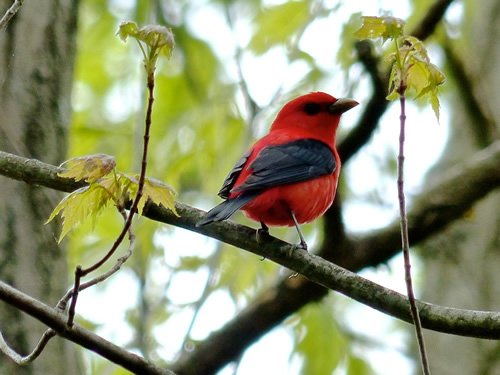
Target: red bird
<point>288,177</point>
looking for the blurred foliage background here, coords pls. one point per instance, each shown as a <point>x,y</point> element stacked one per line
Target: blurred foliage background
<point>235,64</point>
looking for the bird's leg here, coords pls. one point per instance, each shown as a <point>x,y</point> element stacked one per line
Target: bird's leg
<point>262,232</point>
<point>302,245</point>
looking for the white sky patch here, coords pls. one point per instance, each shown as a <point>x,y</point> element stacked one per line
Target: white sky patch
<point>215,312</point>
<point>110,300</point>
<point>187,286</point>
<point>170,335</point>
<point>254,360</point>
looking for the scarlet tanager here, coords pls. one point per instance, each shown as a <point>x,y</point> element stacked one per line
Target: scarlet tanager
<point>290,176</point>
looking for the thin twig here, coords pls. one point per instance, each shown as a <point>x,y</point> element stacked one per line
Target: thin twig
<point>20,360</point>
<point>79,335</point>
<point>404,236</point>
<point>11,12</point>
<point>61,305</point>
<point>128,222</point>
<point>76,289</point>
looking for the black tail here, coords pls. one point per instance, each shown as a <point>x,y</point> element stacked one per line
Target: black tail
<point>224,210</point>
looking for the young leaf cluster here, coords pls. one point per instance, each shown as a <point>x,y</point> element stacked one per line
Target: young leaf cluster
<point>158,40</point>
<point>411,66</point>
<point>106,185</point>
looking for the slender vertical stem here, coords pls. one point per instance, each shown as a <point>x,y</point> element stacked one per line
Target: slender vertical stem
<point>404,236</point>
<point>79,272</point>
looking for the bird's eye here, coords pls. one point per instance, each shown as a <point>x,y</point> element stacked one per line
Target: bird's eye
<point>312,108</point>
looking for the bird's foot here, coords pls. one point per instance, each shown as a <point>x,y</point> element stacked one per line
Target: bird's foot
<point>261,234</point>
<point>302,245</point>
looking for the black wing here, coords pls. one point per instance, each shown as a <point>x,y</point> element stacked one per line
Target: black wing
<point>233,176</point>
<point>291,162</point>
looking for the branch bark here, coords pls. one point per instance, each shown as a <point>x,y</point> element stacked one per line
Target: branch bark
<point>457,192</point>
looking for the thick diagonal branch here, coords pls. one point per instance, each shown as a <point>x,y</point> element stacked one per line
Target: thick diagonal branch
<point>459,189</point>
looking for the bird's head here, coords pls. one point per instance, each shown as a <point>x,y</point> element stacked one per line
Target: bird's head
<point>316,112</point>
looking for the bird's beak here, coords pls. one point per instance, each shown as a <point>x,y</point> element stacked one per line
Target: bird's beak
<point>342,105</point>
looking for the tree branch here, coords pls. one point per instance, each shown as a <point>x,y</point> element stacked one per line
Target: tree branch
<point>461,187</point>
<point>440,206</point>
<point>11,12</point>
<point>78,334</point>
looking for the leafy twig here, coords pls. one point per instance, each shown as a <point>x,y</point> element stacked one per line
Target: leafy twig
<point>156,40</point>
<point>411,69</point>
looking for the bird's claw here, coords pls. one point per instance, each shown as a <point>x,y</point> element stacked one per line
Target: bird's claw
<point>298,246</point>
<point>260,234</point>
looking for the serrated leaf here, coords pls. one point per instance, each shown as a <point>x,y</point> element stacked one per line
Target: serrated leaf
<point>434,100</point>
<point>160,193</point>
<point>417,76</point>
<point>434,78</point>
<point>78,206</point>
<point>89,168</point>
<point>130,185</point>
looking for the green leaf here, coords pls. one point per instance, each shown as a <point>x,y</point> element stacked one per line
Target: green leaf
<point>89,168</point>
<point>160,193</point>
<point>155,36</point>
<point>321,343</point>
<point>372,28</point>
<point>126,29</point>
<point>417,76</point>
<point>394,83</point>
<point>385,27</point>
<point>81,204</point>
<point>277,24</point>
<point>356,366</point>
<point>158,37</point>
